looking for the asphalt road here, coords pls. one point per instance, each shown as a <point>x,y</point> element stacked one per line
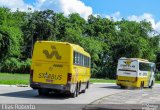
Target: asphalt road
<point>26,95</point>
<point>133,99</point>
<point>96,94</point>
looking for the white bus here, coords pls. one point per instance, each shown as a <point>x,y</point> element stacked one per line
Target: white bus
<point>135,72</point>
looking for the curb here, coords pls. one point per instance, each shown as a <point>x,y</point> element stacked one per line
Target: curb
<point>18,85</point>
<point>103,83</point>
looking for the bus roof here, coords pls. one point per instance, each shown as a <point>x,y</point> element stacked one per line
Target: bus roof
<point>138,59</point>
<point>74,46</point>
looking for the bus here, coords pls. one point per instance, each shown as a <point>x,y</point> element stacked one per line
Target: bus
<point>135,72</point>
<point>59,67</point>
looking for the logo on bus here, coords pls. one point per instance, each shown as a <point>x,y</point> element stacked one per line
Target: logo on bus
<point>128,62</point>
<point>54,52</point>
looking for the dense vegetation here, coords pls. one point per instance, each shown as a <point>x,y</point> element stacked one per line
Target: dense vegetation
<point>106,40</point>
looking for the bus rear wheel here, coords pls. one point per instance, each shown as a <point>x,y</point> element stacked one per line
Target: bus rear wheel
<point>87,86</point>
<point>151,85</point>
<point>142,85</point>
<point>122,87</point>
<point>76,92</point>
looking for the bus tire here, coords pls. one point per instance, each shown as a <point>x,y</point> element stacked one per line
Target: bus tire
<point>87,86</point>
<point>76,92</point>
<point>151,85</point>
<point>83,91</point>
<point>79,87</point>
<point>142,85</point>
<point>122,87</point>
<point>43,92</point>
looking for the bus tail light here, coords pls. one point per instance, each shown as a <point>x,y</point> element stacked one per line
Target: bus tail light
<point>69,77</point>
<point>31,75</point>
<point>136,79</point>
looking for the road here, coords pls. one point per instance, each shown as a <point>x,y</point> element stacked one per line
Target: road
<point>25,95</point>
<point>133,99</point>
<point>96,94</point>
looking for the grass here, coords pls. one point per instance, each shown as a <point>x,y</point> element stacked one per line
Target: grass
<point>95,80</point>
<point>13,79</point>
<point>158,82</point>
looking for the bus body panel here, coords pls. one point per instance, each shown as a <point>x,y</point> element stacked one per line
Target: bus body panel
<point>127,73</point>
<point>82,74</point>
<point>52,52</point>
<point>51,63</point>
<point>49,72</point>
<point>131,81</point>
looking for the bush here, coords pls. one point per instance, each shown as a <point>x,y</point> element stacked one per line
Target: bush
<point>157,76</point>
<point>13,65</point>
<point>25,66</point>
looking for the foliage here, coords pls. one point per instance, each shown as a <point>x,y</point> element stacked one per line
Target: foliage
<point>157,76</point>
<point>106,40</point>
<point>10,35</point>
<point>15,65</point>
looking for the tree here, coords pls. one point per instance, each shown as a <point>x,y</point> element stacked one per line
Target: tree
<point>38,26</point>
<point>106,40</point>
<point>10,35</point>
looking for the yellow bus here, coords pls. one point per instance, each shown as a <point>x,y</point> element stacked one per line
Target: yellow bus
<point>59,67</point>
<point>135,72</point>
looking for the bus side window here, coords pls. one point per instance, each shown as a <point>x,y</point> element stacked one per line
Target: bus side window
<point>144,66</point>
<point>74,58</point>
<point>82,60</point>
<point>78,62</point>
<point>87,62</point>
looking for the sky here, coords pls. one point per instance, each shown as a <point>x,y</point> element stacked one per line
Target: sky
<point>135,10</point>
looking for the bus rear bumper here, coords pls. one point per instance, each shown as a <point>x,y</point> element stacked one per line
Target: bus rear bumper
<point>56,87</point>
<point>127,83</point>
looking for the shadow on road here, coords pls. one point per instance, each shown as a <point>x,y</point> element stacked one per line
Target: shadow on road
<point>118,87</point>
<point>111,87</point>
<point>34,95</point>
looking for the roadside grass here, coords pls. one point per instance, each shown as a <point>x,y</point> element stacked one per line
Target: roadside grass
<point>158,82</point>
<point>95,80</point>
<point>15,78</point>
